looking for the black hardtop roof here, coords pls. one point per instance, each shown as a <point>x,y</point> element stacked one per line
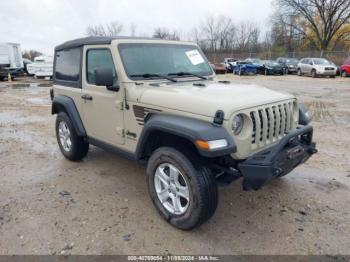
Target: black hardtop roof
<point>96,40</point>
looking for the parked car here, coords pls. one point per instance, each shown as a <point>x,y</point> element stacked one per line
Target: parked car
<point>258,63</point>
<point>219,68</point>
<point>11,61</point>
<point>272,68</point>
<point>345,68</point>
<point>245,68</point>
<point>230,64</point>
<point>158,103</point>
<point>289,64</point>
<point>316,67</point>
<point>42,67</point>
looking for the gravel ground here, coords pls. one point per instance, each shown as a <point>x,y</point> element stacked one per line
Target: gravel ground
<point>49,205</point>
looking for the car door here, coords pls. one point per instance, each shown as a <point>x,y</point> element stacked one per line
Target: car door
<point>309,66</point>
<point>304,67</point>
<point>102,108</point>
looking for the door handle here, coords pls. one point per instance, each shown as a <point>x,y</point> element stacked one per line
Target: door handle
<point>86,97</point>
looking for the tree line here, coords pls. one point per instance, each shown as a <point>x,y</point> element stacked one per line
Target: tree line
<point>294,25</point>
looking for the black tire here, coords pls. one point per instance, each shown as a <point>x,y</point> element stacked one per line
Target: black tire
<point>79,147</point>
<point>203,190</point>
<point>299,73</point>
<point>2,78</point>
<point>240,72</point>
<point>266,72</point>
<point>344,74</point>
<point>313,73</point>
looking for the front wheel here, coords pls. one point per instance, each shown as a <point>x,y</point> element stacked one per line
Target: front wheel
<point>266,72</point>
<point>184,196</point>
<point>299,72</point>
<point>72,146</point>
<point>313,74</point>
<point>344,74</point>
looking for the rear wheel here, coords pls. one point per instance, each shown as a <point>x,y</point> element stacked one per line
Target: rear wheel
<point>299,72</point>
<point>185,196</point>
<point>72,146</point>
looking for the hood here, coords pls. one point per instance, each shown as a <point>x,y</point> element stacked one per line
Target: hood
<point>206,100</point>
<point>277,67</point>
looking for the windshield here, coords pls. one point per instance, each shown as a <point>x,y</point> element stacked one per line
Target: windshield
<point>253,60</point>
<point>320,61</point>
<point>272,63</point>
<point>162,59</point>
<point>292,61</point>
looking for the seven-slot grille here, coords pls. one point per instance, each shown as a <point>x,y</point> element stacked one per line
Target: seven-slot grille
<point>271,123</point>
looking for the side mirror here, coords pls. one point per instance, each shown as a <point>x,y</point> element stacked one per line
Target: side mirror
<point>104,77</point>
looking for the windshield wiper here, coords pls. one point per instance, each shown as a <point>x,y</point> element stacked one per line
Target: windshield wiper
<point>187,74</point>
<point>148,75</point>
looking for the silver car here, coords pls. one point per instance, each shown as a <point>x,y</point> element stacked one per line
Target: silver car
<point>316,67</point>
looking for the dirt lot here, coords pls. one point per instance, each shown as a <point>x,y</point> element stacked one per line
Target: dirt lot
<point>49,205</point>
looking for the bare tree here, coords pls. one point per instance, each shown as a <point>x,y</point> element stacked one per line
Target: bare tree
<point>31,54</point>
<point>320,21</point>
<point>226,33</point>
<point>209,29</point>
<point>164,33</point>
<point>247,36</point>
<point>111,29</point>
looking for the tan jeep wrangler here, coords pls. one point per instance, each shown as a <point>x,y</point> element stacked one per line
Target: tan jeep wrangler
<point>158,102</point>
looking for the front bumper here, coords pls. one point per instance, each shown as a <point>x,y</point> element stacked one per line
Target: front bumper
<point>327,73</point>
<point>294,149</point>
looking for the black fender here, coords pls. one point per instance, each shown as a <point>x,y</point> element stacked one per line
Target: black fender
<point>66,104</point>
<point>189,129</point>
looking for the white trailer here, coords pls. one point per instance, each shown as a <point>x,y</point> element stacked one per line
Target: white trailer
<point>11,60</point>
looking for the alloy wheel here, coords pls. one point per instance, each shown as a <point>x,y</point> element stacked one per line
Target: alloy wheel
<point>65,136</point>
<point>172,189</point>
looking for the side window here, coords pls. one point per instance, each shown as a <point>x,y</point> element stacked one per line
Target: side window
<point>67,66</point>
<point>98,58</point>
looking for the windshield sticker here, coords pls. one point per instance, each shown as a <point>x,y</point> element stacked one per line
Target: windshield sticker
<point>195,57</point>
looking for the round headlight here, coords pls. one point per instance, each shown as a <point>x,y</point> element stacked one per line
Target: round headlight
<point>237,124</point>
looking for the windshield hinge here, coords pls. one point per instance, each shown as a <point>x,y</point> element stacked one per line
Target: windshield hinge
<point>125,102</point>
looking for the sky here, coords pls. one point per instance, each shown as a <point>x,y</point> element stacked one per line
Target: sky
<point>43,24</point>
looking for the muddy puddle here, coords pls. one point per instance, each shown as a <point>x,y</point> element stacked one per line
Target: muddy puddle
<point>13,118</point>
<point>38,101</point>
<point>28,85</point>
<point>30,139</point>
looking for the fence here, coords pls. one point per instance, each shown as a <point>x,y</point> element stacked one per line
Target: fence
<point>338,57</point>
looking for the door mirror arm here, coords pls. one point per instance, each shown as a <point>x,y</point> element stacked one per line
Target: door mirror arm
<point>114,88</point>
